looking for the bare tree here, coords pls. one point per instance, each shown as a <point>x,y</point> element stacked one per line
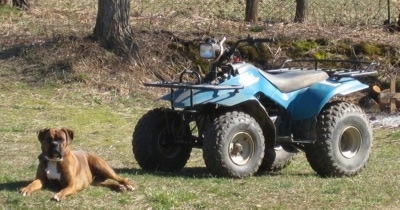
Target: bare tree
<point>251,14</point>
<point>301,9</point>
<point>112,28</point>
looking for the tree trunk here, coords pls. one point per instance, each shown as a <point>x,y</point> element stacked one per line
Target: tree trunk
<point>112,28</point>
<point>22,4</point>
<point>251,10</point>
<point>301,8</point>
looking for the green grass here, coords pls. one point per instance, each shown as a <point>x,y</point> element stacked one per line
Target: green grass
<point>106,128</point>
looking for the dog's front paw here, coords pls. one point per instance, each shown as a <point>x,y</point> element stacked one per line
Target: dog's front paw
<point>56,197</point>
<point>24,191</point>
<point>126,187</point>
<point>130,187</point>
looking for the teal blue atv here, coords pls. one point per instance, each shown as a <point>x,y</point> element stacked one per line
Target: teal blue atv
<point>249,120</point>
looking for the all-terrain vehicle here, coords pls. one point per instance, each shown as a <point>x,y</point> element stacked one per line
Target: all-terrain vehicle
<point>249,120</point>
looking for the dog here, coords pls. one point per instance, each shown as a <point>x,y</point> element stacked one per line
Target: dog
<point>73,171</point>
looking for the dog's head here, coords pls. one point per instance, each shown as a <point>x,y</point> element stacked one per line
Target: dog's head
<point>55,142</point>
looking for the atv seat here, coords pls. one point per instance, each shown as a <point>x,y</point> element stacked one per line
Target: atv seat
<point>290,80</point>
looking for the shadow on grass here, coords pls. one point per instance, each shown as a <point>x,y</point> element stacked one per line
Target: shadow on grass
<point>16,186</point>
<point>187,172</point>
<point>204,173</point>
<point>13,186</point>
<point>280,173</point>
<point>192,172</point>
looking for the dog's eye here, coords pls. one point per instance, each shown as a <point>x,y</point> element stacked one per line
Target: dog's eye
<point>59,139</point>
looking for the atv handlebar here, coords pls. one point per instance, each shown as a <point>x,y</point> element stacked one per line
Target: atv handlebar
<point>214,49</point>
<point>252,40</point>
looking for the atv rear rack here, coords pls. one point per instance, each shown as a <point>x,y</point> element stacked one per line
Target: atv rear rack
<point>355,71</point>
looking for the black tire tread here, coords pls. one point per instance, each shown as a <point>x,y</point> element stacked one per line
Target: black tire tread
<point>276,161</point>
<point>320,155</point>
<point>144,148</point>
<point>213,149</point>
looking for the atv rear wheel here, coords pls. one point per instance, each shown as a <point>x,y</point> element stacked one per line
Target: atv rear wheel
<point>157,141</point>
<point>276,159</point>
<point>233,145</point>
<point>344,141</point>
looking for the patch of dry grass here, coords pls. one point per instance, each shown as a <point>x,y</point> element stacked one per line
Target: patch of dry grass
<point>49,44</point>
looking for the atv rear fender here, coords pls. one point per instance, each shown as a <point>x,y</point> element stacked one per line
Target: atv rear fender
<point>310,102</point>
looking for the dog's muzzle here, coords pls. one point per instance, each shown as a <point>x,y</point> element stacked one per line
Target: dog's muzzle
<point>55,151</point>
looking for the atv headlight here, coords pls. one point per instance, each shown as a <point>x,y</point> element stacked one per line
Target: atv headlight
<point>209,50</point>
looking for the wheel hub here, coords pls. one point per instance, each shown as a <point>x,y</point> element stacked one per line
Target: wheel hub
<point>241,148</point>
<point>167,149</point>
<point>350,142</point>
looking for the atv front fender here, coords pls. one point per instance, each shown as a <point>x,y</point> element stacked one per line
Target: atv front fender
<point>243,100</point>
<point>309,103</point>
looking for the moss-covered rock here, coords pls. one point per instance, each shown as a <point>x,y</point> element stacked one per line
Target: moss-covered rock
<point>301,48</point>
<point>367,49</point>
<point>320,55</point>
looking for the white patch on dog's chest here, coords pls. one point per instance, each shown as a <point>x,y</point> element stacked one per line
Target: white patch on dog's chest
<point>51,171</point>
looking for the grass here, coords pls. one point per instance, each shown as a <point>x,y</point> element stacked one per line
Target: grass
<point>50,75</point>
<point>106,127</point>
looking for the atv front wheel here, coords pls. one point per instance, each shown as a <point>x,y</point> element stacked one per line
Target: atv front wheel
<point>233,145</point>
<point>344,141</point>
<point>157,141</point>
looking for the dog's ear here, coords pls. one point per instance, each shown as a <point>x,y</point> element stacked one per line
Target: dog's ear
<point>42,134</point>
<point>70,134</point>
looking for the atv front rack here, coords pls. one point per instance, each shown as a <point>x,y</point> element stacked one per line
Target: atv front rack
<point>175,85</point>
<point>191,86</point>
<point>356,69</point>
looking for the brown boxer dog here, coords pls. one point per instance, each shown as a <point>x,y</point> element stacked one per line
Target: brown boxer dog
<point>71,170</point>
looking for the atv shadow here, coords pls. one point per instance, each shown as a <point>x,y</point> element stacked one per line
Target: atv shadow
<point>203,173</point>
<point>187,172</point>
